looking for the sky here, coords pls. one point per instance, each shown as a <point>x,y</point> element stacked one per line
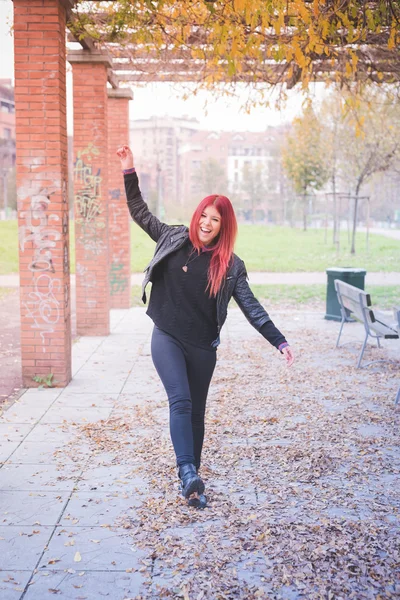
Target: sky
<point>161,99</point>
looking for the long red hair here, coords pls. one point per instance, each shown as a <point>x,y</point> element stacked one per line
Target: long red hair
<point>222,249</point>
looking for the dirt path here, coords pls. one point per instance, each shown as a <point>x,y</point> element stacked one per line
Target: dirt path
<point>10,345</point>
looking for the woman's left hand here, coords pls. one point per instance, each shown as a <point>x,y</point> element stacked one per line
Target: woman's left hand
<point>289,356</point>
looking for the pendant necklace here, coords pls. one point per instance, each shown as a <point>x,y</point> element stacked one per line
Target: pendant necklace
<point>189,260</point>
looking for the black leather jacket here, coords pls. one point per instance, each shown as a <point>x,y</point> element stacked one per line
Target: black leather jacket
<point>171,237</point>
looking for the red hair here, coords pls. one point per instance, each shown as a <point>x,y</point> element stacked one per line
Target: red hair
<point>222,250</point>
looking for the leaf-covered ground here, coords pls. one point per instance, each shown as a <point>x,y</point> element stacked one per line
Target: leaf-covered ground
<point>302,476</point>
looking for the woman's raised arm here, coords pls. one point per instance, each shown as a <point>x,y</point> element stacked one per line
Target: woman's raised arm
<point>137,206</point>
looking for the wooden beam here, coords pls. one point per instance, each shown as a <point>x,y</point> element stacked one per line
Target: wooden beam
<point>112,78</point>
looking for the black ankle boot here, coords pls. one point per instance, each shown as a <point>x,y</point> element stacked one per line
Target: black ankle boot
<point>190,481</point>
<point>200,501</point>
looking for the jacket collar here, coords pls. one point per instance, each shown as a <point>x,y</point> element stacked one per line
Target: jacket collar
<point>178,235</point>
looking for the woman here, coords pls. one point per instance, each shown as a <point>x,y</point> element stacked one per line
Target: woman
<point>194,274</point>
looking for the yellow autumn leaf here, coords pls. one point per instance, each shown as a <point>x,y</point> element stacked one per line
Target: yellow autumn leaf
<point>77,557</point>
<point>239,5</point>
<point>392,38</point>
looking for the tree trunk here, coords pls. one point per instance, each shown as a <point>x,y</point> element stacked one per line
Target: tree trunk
<point>338,225</point>
<point>305,212</point>
<point>335,216</point>
<point>353,237</point>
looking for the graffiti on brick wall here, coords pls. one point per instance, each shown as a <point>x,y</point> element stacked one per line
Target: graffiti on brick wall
<point>89,209</point>
<point>119,278</point>
<point>37,229</point>
<point>41,304</point>
<point>88,282</point>
<point>91,238</point>
<point>89,217</point>
<point>115,194</point>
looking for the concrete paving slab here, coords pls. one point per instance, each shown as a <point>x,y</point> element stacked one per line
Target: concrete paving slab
<point>10,432</point>
<point>88,585</point>
<point>69,398</point>
<point>12,584</point>
<point>93,385</point>
<point>26,412</point>
<point>99,508</point>
<point>121,360</point>
<point>21,547</point>
<point>52,432</point>
<point>31,508</point>
<point>77,414</point>
<point>48,453</point>
<point>31,406</point>
<point>133,387</point>
<point>110,477</point>
<point>100,549</point>
<point>127,401</point>
<point>6,450</point>
<point>112,370</point>
<point>44,392</point>
<point>39,477</point>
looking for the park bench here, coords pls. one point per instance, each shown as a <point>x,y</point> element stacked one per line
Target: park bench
<point>357,302</point>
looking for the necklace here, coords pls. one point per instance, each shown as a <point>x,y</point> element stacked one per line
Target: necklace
<point>189,260</point>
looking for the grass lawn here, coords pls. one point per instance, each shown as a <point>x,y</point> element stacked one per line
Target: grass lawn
<point>384,297</point>
<point>275,249</point>
<point>300,296</point>
<point>285,250</point>
<point>8,247</point>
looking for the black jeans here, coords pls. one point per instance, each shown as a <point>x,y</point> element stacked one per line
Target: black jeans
<point>185,372</point>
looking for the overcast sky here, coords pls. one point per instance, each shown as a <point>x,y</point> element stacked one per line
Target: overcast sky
<point>164,99</point>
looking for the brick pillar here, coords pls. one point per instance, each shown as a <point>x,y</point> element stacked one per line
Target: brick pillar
<point>41,148</point>
<point>119,218</point>
<point>91,158</point>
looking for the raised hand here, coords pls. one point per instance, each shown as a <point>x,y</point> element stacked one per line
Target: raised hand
<point>125,155</point>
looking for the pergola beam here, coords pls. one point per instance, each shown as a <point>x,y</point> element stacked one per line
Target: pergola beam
<point>88,45</point>
<point>144,63</point>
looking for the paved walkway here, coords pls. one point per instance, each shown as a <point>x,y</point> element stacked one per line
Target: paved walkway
<point>12,281</point>
<point>301,467</point>
<point>390,233</point>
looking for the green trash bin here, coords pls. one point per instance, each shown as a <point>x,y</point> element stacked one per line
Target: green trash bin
<point>349,275</point>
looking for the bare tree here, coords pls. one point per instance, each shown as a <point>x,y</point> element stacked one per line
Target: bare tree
<point>254,187</point>
<point>211,178</point>
<point>369,143</point>
<point>303,157</point>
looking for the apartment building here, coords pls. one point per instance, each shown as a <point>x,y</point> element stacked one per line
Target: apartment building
<point>7,110</point>
<point>7,148</point>
<point>157,145</point>
<point>246,165</point>
<point>179,164</point>
<point>204,149</point>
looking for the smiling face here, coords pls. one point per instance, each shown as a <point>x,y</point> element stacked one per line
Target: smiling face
<point>209,225</point>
